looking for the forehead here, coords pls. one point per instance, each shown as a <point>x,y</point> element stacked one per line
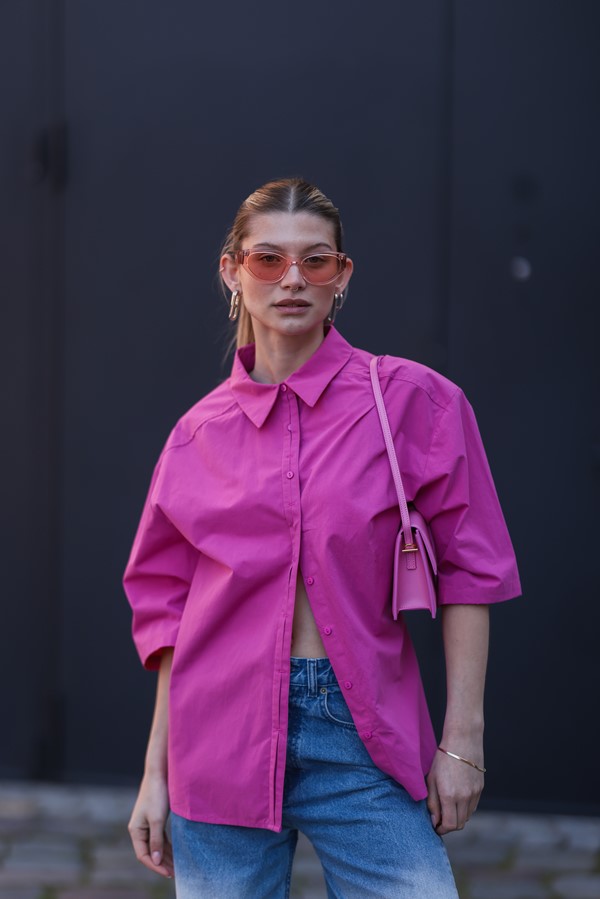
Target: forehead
<point>291,231</point>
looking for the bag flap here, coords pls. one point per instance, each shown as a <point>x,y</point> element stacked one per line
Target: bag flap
<point>421,529</point>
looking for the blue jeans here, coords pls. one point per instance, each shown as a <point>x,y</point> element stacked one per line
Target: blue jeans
<point>373,840</point>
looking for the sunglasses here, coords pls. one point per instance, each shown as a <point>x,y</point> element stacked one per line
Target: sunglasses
<point>316,268</point>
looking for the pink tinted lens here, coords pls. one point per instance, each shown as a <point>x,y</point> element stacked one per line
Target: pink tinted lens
<point>266,266</point>
<point>320,268</point>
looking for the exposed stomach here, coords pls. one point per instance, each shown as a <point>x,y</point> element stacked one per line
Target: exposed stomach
<point>306,640</point>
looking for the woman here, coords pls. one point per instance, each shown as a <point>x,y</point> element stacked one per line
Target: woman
<point>288,698</point>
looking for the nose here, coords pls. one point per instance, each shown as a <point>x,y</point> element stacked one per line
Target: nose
<point>293,277</point>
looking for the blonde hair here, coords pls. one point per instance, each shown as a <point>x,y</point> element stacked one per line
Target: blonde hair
<point>284,195</point>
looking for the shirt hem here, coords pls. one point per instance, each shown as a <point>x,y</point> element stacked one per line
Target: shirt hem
<point>480,597</point>
<point>201,817</point>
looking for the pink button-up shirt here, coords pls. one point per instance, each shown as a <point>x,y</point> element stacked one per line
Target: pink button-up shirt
<point>257,480</point>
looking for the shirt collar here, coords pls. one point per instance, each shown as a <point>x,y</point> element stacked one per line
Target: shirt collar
<point>308,382</point>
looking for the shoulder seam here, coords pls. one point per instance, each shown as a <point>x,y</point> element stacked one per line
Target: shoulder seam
<point>198,426</point>
<point>444,406</point>
<point>437,428</point>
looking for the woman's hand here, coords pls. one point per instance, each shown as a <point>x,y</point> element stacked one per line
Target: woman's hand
<point>455,787</point>
<point>147,826</point>
<point>150,812</point>
<point>454,791</point>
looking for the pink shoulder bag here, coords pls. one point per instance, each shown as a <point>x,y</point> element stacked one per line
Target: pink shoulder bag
<point>415,567</point>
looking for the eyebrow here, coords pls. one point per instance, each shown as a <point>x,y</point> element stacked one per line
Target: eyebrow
<point>308,249</point>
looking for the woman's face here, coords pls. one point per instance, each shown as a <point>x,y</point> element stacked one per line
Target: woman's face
<point>292,306</point>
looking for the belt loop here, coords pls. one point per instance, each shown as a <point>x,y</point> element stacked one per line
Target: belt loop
<point>312,676</point>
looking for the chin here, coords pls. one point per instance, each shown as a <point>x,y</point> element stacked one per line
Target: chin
<point>297,327</point>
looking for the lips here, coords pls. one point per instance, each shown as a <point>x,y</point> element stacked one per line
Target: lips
<point>292,303</point>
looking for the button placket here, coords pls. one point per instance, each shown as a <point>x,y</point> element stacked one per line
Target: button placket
<point>287,410</point>
<point>289,462</point>
<point>291,445</point>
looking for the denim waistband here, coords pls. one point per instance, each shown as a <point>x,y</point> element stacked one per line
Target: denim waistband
<point>311,674</point>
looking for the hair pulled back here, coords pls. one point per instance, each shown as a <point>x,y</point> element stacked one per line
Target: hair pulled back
<point>284,195</point>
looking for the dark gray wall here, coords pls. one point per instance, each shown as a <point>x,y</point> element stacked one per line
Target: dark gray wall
<point>32,334</point>
<point>526,184</point>
<point>454,138</point>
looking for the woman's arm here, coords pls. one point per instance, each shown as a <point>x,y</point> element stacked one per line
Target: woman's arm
<point>455,787</point>
<point>149,816</point>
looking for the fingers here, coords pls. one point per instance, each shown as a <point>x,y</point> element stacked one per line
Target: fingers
<point>151,847</point>
<point>162,859</point>
<point>161,853</point>
<point>147,826</point>
<point>156,842</point>
<point>455,813</point>
<point>453,796</point>
<point>167,859</point>
<point>450,816</point>
<point>433,803</point>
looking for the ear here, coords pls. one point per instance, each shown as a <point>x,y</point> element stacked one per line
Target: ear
<point>229,270</point>
<point>342,282</point>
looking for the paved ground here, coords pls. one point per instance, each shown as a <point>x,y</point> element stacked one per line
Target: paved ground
<point>60,842</point>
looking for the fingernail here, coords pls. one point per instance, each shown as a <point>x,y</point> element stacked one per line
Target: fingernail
<point>156,858</point>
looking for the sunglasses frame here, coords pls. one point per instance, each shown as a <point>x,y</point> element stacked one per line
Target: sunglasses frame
<point>241,257</point>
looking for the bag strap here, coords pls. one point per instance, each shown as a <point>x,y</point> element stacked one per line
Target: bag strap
<point>409,546</point>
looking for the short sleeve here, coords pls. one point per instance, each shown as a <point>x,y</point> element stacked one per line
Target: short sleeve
<point>476,560</point>
<point>157,580</point>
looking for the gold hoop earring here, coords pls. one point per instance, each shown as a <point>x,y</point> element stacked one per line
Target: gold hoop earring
<point>234,305</point>
<point>338,302</point>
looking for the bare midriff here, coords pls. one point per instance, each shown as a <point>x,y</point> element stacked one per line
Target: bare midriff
<point>306,640</point>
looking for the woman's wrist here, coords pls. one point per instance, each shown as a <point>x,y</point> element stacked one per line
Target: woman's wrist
<point>155,772</point>
<point>461,758</point>
<point>463,725</point>
<point>155,765</point>
<point>464,739</point>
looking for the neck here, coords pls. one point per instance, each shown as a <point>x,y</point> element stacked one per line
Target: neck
<point>278,356</point>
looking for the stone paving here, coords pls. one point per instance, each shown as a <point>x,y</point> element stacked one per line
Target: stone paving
<point>71,842</point>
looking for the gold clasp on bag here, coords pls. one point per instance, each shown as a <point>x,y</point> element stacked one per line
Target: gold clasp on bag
<point>410,548</point>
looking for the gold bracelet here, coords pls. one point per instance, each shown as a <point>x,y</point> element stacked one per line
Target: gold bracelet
<point>461,759</point>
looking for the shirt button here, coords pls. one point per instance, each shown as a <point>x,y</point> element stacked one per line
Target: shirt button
<point>290,474</point>
<point>289,427</point>
<point>310,580</point>
<point>367,735</point>
<point>348,684</point>
<point>283,388</point>
<point>327,630</point>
